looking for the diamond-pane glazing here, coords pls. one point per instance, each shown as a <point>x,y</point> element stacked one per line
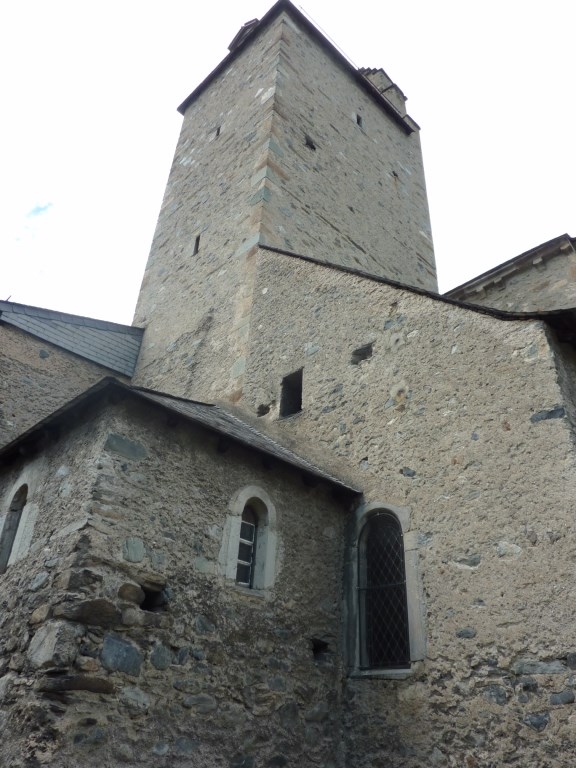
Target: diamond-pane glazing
<point>383,613</point>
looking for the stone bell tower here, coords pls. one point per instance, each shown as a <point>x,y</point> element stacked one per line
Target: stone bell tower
<point>284,145</point>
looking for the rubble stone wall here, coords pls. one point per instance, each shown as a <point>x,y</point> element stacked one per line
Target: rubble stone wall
<point>122,640</point>
<point>242,174</point>
<point>36,379</point>
<point>195,306</point>
<point>345,182</point>
<point>460,418</point>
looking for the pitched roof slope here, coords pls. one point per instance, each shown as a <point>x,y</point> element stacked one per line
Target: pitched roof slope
<point>211,417</point>
<point>112,345</point>
<point>252,28</point>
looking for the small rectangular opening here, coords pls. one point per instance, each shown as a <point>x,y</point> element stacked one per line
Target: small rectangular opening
<point>309,142</point>
<point>217,131</point>
<point>362,353</point>
<point>359,120</point>
<point>291,395</point>
<point>196,245</point>
<point>154,600</point>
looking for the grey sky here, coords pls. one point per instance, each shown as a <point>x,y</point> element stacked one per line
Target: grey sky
<point>90,125</point>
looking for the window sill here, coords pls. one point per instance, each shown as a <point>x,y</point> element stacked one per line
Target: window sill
<point>290,416</point>
<point>259,593</point>
<point>382,674</point>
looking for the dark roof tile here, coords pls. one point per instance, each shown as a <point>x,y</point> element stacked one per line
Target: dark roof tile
<point>112,345</point>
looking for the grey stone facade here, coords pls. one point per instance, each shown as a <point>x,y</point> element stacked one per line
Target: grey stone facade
<point>124,641</point>
<point>543,278</point>
<point>291,281</point>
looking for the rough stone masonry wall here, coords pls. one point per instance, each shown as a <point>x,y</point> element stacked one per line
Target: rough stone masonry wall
<point>36,378</point>
<point>242,173</point>
<point>217,676</point>
<point>459,417</point>
<point>196,306</point>
<point>359,198</point>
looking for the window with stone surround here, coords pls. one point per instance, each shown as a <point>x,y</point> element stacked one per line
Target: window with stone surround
<point>384,609</point>
<point>247,547</point>
<point>248,552</point>
<point>11,525</point>
<point>382,603</point>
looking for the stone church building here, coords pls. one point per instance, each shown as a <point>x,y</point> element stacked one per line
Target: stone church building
<point>305,511</point>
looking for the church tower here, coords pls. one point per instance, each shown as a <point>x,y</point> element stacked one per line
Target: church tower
<point>285,145</point>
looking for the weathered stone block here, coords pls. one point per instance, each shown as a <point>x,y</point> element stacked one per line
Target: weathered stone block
<point>125,447</point>
<point>135,698</point>
<point>119,655</point>
<point>537,721</point>
<point>534,667</point>
<point>564,697</point>
<point>99,612</point>
<point>55,644</point>
<point>161,657</point>
<point>133,550</point>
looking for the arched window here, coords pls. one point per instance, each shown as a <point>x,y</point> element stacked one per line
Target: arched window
<point>384,641</point>
<point>247,547</point>
<point>10,527</point>
<point>248,552</point>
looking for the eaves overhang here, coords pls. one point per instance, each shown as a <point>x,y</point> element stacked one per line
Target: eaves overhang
<point>285,6</point>
<point>111,345</point>
<point>211,417</point>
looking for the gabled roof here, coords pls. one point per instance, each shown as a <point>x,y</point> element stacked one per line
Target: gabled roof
<point>211,417</point>
<point>112,345</point>
<point>558,246</point>
<point>253,28</point>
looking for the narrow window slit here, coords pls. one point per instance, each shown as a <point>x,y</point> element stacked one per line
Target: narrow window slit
<point>309,142</point>
<point>359,120</point>
<point>196,245</point>
<point>291,395</point>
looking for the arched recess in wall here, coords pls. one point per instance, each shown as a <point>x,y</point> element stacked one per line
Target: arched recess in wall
<point>385,612</point>
<point>382,601</point>
<point>248,552</point>
<point>11,525</point>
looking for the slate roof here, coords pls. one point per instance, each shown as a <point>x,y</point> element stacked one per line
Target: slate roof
<point>211,417</point>
<point>112,345</point>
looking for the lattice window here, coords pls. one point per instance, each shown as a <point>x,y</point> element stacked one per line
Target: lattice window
<point>383,608</point>
<point>247,547</point>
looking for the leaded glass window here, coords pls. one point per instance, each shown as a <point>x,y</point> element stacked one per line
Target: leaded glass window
<point>383,609</point>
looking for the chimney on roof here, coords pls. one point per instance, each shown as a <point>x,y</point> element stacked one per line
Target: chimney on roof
<point>242,34</point>
<point>387,88</point>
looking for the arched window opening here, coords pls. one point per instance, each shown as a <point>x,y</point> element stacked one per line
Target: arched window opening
<point>10,527</point>
<point>247,547</point>
<point>249,542</point>
<point>382,601</point>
